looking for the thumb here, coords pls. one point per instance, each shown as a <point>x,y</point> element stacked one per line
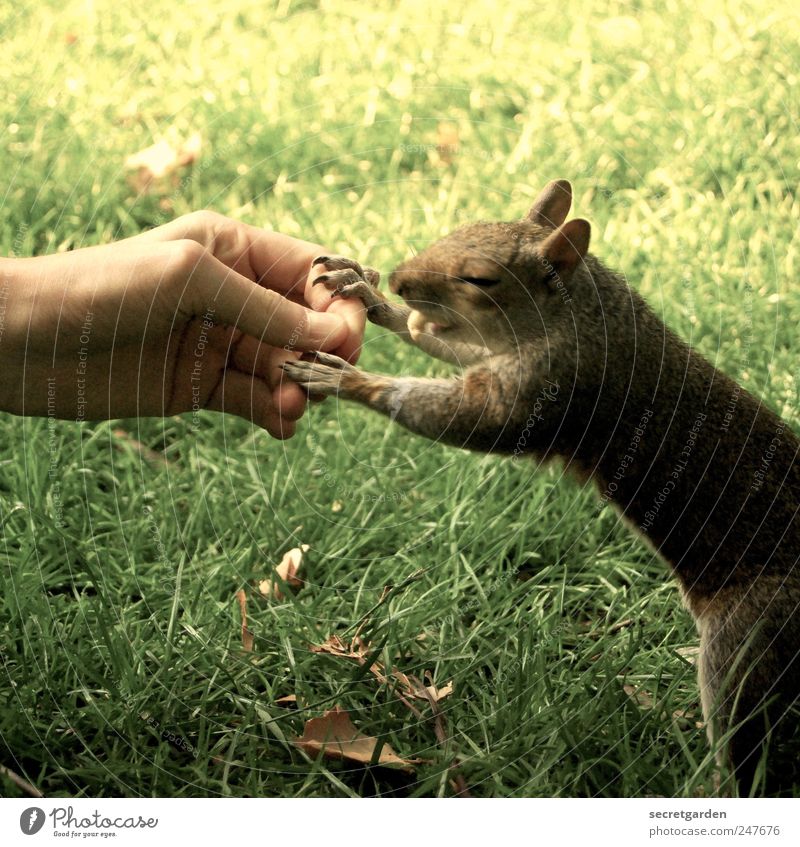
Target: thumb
<point>227,297</point>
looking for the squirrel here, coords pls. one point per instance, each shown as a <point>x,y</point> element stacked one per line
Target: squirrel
<point>563,359</point>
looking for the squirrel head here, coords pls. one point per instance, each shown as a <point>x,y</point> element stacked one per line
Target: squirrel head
<point>497,284</point>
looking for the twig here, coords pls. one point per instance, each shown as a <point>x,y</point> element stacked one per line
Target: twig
<point>247,635</point>
<point>440,731</point>
<point>406,685</point>
<point>438,717</point>
<point>20,782</point>
<point>617,627</point>
<point>388,590</point>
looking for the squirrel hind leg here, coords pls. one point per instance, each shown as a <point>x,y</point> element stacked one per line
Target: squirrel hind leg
<point>749,679</point>
<point>738,745</point>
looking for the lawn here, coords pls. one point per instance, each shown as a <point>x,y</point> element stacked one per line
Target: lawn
<point>374,129</point>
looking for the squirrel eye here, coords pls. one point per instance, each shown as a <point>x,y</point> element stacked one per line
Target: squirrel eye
<point>477,280</point>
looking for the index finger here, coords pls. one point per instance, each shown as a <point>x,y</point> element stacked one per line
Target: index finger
<point>281,262</point>
<point>284,264</point>
<point>275,260</point>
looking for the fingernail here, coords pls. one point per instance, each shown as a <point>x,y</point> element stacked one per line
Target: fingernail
<point>320,260</point>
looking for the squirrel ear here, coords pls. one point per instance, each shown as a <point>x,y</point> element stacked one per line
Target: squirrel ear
<point>567,246</point>
<point>552,205</point>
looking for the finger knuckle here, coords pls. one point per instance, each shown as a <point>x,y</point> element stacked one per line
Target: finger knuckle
<point>205,219</point>
<point>186,255</point>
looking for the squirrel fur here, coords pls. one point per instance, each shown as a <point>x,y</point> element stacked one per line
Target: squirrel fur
<point>563,359</point>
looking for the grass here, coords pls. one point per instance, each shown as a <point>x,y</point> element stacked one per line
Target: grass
<point>122,671</point>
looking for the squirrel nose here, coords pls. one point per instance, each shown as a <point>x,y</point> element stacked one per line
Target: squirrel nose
<point>398,285</point>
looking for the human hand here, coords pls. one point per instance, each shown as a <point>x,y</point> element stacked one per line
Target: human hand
<point>197,314</point>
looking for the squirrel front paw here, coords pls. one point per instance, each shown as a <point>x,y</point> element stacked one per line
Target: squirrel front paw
<point>327,374</point>
<point>346,278</point>
<point>323,375</point>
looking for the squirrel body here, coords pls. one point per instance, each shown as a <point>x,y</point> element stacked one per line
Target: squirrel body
<point>564,359</point>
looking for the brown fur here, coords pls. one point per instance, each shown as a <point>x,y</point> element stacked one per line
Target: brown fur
<point>699,465</point>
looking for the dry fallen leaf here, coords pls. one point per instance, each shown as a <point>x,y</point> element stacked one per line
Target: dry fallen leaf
<point>438,694</point>
<point>286,572</point>
<point>359,649</point>
<point>153,165</point>
<point>334,645</point>
<point>143,450</point>
<point>247,635</point>
<point>288,701</point>
<point>689,654</point>
<point>447,141</point>
<point>407,689</point>
<point>334,735</point>
<point>642,698</point>
<point>689,716</point>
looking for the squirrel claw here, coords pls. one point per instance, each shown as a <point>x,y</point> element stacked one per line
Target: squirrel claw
<point>335,280</point>
<point>339,271</point>
<point>332,361</point>
<point>348,285</point>
<point>338,263</point>
<point>359,289</point>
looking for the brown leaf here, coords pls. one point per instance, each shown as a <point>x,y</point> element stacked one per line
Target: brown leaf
<point>143,450</point>
<point>358,650</point>
<point>408,689</point>
<point>409,686</point>
<point>247,635</point>
<point>151,167</point>
<point>334,645</point>
<point>286,572</point>
<point>642,698</point>
<point>689,715</point>
<point>438,694</point>
<point>689,654</point>
<point>288,701</point>
<point>334,735</point>
<point>447,141</point>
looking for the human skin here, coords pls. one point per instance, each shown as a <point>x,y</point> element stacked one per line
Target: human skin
<point>197,314</point>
